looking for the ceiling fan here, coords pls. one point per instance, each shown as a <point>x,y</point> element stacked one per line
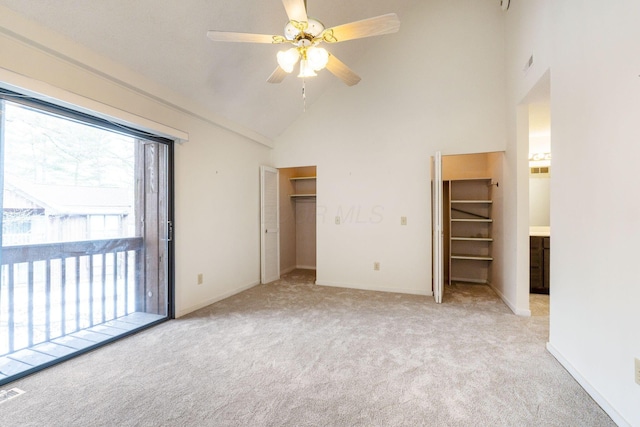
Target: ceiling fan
<point>306,34</point>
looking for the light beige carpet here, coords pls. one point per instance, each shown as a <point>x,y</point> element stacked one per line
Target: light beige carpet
<point>295,354</point>
<point>539,304</point>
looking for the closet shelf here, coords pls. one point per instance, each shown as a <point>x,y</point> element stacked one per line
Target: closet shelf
<point>473,239</point>
<point>471,257</point>
<point>470,242</point>
<point>302,191</point>
<point>301,178</point>
<point>302,196</point>
<point>486,202</point>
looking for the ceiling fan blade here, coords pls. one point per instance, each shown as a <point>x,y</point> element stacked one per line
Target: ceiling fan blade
<point>296,10</point>
<point>277,76</point>
<point>376,26</point>
<point>341,71</point>
<point>224,36</point>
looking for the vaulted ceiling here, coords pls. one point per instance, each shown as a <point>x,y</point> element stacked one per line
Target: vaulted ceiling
<point>165,40</point>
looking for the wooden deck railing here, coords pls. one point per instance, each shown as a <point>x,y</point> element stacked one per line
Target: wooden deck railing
<point>51,290</point>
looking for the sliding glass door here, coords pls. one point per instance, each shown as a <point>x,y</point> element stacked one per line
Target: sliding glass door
<point>86,233</point>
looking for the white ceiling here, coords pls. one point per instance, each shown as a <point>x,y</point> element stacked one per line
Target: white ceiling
<point>165,41</point>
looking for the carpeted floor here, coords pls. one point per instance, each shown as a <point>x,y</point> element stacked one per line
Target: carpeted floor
<point>295,354</point>
<point>539,304</point>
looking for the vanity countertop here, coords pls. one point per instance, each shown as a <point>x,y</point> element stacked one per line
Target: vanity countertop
<point>540,231</point>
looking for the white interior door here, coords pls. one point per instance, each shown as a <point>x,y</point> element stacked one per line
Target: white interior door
<point>269,225</point>
<point>437,226</point>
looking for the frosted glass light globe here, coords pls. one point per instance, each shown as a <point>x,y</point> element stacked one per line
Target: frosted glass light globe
<point>287,59</point>
<point>317,57</point>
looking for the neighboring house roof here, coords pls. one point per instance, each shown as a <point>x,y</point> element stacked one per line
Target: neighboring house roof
<point>70,200</point>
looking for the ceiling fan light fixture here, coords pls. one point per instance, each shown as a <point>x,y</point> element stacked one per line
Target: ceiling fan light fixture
<point>287,59</point>
<point>306,33</point>
<point>317,57</point>
<point>305,69</point>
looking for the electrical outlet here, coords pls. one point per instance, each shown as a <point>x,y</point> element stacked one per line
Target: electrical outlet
<point>403,220</point>
<point>637,371</point>
<point>376,266</point>
<point>337,220</point>
<point>200,279</point>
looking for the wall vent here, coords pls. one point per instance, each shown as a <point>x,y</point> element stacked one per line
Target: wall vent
<point>540,170</point>
<point>6,395</point>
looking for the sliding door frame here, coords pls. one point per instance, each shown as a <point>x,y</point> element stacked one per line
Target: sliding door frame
<point>165,230</point>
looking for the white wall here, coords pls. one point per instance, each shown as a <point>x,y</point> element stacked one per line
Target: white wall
<point>306,233</point>
<point>436,85</point>
<point>590,49</point>
<point>595,211</point>
<point>216,171</point>
<point>465,166</point>
<point>528,33</point>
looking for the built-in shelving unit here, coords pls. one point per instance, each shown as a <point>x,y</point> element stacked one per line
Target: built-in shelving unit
<point>304,187</point>
<point>470,230</point>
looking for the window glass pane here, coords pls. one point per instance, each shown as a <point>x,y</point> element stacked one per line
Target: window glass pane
<point>71,174</point>
<point>84,245</point>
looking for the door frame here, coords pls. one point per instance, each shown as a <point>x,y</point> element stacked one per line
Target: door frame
<point>437,226</point>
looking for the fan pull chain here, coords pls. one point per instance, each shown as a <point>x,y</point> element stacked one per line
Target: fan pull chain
<point>304,96</point>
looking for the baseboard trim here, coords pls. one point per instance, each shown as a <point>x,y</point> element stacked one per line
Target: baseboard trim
<point>590,389</point>
<point>296,267</point>
<point>466,280</point>
<point>287,270</point>
<point>512,307</point>
<point>215,299</point>
<point>374,288</point>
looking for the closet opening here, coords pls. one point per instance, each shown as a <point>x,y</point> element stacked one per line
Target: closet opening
<point>298,220</point>
<point>472,222</point>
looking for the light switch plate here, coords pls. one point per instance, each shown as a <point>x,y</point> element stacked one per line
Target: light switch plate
<point>637,371</point>
<point>403,220</point>
<point>337,220</point>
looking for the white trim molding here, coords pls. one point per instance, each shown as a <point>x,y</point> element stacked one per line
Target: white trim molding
<point>46,92</point>
<point>220,297</point>
<point>376,288</point>
<point>516,311</point>
<point>586,385</point>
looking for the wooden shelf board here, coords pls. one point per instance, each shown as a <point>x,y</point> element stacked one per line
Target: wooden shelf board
<point>473,201</point>
<point>471,220</point>
<point>469,281</point>
<point>472,257</point>
<point>299,196</point>
<point>473,239</point>
<point>301,178</point>
<point>471,179</point>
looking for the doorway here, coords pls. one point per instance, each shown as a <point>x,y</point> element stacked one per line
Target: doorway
<point>471,212</point>
<point>85,248</point>
<point>298,219</point>
<point>539,165</point>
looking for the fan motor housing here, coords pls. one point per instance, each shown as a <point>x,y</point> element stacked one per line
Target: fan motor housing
<point>312,29</point>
